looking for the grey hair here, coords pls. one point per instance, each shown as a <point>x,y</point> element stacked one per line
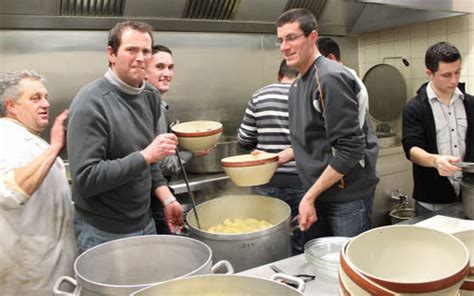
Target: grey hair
<point>10,86</point>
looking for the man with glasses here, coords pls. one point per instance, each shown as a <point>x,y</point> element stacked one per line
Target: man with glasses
<point>438,131</point>
<point>335,155</point>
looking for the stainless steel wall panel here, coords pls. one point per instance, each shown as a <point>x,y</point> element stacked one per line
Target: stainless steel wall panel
<point>215,73</point>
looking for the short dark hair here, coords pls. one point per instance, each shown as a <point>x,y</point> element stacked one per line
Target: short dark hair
<point>304,17</point>
<point>115,34</point>
<point>159,47</point>
<point>285,71</point>
<point>327,45</point>
<point>441,52</point>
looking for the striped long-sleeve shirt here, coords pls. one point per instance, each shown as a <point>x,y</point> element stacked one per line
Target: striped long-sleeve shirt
<point>265,123</point>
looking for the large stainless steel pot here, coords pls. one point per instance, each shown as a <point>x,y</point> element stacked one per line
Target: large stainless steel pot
<point>245,250</point>
<point>211,163</point>
<point>229,285</point>
<point>467,190</point>
<point>126,265</point>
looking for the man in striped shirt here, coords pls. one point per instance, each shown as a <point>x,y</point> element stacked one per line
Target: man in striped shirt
<point>265,128</point>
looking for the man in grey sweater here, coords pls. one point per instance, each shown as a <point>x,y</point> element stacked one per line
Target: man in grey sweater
<point>335,154</point>
<point>113,147</point>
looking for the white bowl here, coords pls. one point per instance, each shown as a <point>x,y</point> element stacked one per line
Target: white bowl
<point>467,238</point>
<point>352,282</point>
<point>199,135</point>
<point>410,259</point>
<point>467,288</point>
<point>250,169</point>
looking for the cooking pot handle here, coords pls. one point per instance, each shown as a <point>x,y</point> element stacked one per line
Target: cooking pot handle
<point>181,230</point>
<point>281,277</point>
<point>58,292</point>
<point>294,226</point>
<point>223,263</point>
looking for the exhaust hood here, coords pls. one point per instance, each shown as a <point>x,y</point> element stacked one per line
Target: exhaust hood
<point>335,17</point>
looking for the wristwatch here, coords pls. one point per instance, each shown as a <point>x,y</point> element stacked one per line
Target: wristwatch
<point>169,200</point>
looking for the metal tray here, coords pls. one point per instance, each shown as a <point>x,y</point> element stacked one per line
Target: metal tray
<point>467,167</point>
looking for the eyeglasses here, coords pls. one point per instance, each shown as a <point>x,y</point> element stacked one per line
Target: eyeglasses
<point>289,38</point>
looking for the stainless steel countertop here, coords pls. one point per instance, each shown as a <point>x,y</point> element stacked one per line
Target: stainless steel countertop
<point>321,285</point>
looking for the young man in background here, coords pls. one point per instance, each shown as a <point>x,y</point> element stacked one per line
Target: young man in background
<point>438,131</point>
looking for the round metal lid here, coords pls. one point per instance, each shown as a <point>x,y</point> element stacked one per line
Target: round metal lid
<point>387,92</point>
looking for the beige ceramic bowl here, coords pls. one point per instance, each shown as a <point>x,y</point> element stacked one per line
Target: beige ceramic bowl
<point>352,282</point>
<point>250,169</point>
<point>409,259</point>
<point>467,237</point>
<point>467,288</point>
<point>199,135</point>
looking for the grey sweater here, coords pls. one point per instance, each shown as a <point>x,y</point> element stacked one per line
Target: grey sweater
<point>327,132</point>
<point>107,128</point>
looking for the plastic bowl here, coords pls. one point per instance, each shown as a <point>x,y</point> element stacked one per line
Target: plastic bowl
<point>199,135</point>
<point>324,254</point>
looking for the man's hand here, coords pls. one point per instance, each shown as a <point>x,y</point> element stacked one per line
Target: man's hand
<point>174,215</point>
<point>285,156</point>
<point>58,132</point>
<point>445,164</point>
<point>307,213</point>
<point>162,146</point>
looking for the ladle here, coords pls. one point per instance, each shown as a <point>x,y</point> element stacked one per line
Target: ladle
<point>186,180</point>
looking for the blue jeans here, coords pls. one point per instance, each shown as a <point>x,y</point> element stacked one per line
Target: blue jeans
<point>421,210</point>
<point>292,196</point>
<point>87,236</point>
<point>341,219</point>
<point>160,220</point>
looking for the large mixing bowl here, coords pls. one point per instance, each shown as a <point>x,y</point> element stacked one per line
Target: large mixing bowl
<point>467,238</point>
<point>199,135</point>
<point>250,169</point>
<point>410,259</point>
<point>123,266</point>
<point>246,250</point>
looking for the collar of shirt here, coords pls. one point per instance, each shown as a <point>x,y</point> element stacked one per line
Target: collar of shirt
<point>432,95</point>
<point>313,65</point>
<point>21,124</point>
<point>130,90</point>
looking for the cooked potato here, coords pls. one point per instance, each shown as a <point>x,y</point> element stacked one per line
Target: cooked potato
<point>239,225</point>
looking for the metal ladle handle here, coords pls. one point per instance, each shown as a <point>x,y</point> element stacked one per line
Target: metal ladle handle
<point>186,180</point>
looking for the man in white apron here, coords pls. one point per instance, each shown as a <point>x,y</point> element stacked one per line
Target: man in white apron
<point>37,243</point>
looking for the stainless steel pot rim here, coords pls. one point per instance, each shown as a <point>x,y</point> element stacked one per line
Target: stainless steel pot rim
<point>91,285</point>
<point>212,277</point>
<point>241,236</point>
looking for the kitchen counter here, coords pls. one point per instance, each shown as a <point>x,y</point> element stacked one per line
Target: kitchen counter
<point>455,211</point>
<point>323,285</point>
